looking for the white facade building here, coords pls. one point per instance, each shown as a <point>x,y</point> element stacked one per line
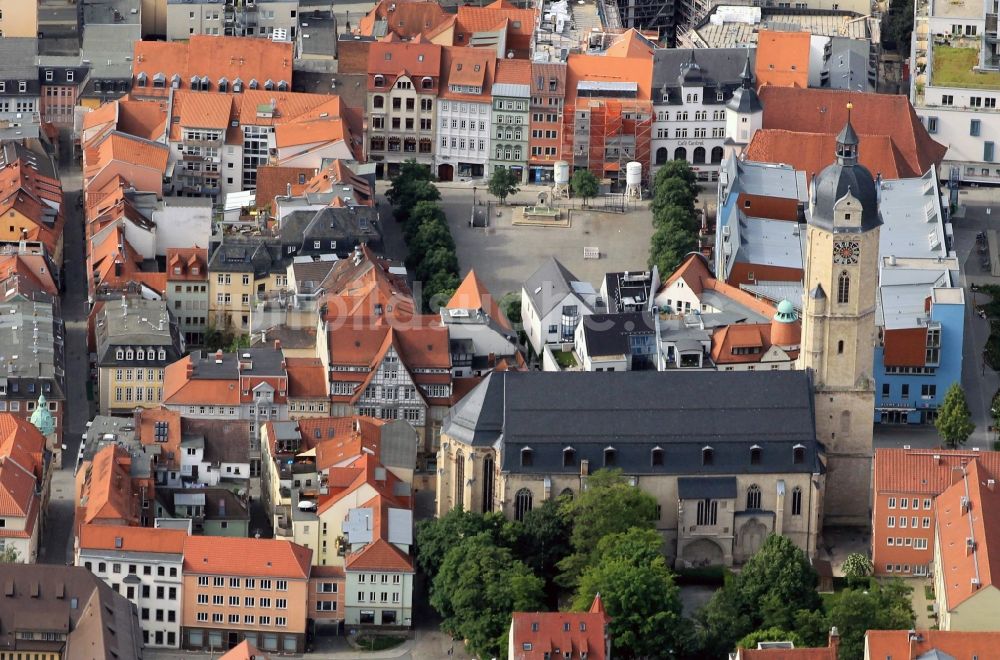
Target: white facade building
<point>691,88</point>
<point>960,110</point>
<point>144,565</point>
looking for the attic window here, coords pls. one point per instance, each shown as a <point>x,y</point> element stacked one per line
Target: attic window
<point>610,456</point>
<point>656,456</point>
<point>798,454</point>
<point>420,58</point>
<point>477,67</point>
<point>517,25</point>
<point>755,455</point>
<point>707,456</point>
<point>388,56</point>
<point>569,456</point>
<point>527,457</point>
<point>458,67</point>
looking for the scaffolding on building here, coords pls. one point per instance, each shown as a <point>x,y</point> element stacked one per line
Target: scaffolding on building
<point>603,135</point>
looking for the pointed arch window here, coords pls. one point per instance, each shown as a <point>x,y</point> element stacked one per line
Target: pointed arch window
<point>459,478</point>
<point>753,497</point>
<point>488,467</point>
<point>796,501</point>
<point>843,288</point>
<point>522,503</point>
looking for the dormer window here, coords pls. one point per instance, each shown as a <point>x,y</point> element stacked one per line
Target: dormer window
<point>527,457</point>
<point>268,85</point>
<point>175,80</point>
<point>569,457</point>
<point>223,85</point>
<point>656,456</point>
<point>159,80</point>
<point>254,84</point>
<point>237,86</point>
<point>798,454</point>
<point>119,354</point>
<point>755,455</point>
<point>380,81</point>
<point>707,456</point>
<point>129,354</point>
<point>282,86</point>
<point>427,82</point>
<point>140,80</point>
<point>610,456</point>
<point>162,354</point>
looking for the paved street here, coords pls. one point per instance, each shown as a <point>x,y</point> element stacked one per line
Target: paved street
<point>58,540</point>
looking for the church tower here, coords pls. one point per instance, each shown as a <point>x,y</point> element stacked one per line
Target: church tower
<point>838,325</point>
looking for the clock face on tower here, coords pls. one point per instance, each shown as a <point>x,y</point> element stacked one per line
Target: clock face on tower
<point>845,252</point>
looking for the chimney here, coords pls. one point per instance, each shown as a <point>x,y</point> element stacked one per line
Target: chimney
<point>218,356</point>
<point>288,190</point>
<point>834,640</point>
<point>277,344</point>
<point>222,507</point>
<point>190,369</point>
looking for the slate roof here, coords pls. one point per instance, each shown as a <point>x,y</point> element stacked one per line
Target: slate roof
<point>346,225</point>
<point>608,334</point>
<point>713,488</point>
<point>629,412</point>
<point>720,70</point>
<point>549,285</point>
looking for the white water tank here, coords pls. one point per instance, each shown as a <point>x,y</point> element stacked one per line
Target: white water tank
<point>560,172</point>
<point>633,173</point>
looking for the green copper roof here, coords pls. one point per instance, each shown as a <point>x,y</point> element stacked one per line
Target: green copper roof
<point>42,418</point>
<point>785,313</point>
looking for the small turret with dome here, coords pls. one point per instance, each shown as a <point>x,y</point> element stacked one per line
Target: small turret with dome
<point>844,196</point>
<point>42,418</point>
<point>786,331</point>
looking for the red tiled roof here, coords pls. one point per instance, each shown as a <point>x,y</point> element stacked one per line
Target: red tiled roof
<point>403,18</point>
<point>811,152</point>
<point>823,653</point>
<point>516,72</point>
<point>186,259</point>
<point>630,44</point>
<point>17,489</point>
<point>199,110</point>
<point>108,488</point>
<point>698,278</point>
<point>601,68</point>
<point>783,58</point>
<point>960,644</point>
<point>413,58</point>
<point>570,632</point>
<point>467,66</point>
<point>245,651</point>
<point>925,471</point>
<point>970,508</point>
<point>273,181</point>
<point>306,378</point>
<point>180,389</point>
<point>519,23</point>
<point>132,539</point>
<point>825,111</point>
<point>216,57</point>
<point>380,555</point>
<point>151,424</point>
<point>219,555</point>
<point>473,294</point>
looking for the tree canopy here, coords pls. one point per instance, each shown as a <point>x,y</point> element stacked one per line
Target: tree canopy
<point>954,421</point>
<point>584,184</point>
<point>435,537</point>
<point>609,505</point>
<point>503,183</point>
<point>638,592</point>
<point>675,189</point>
<point>478,587</point>
<point>410,186</point>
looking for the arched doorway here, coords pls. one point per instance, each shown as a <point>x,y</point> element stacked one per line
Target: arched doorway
<point>699,156</point>
<point>661,155</point>
<point>446,172</point>
<point>716,155</point>
<point>751,537</point>
<point>703,552</point>
<point>680,153</point>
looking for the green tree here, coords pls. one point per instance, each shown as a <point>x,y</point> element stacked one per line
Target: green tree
<point>677,169</point>
<point>503,183</point>
<point>774,585</point>
<point>431,235</point>
<point>954,421</point>
<point>770,635</point>
<point>410,186</point>
<point>478,587</point>
<point>673,192</point>
<point>439,259</point>
<point>238,341</point>
<point>10,555</point>
<point>638,592</point>
<point>668,247</point>
<point>609,505</point>
<point>857,568</point>
<point>855,611</point>
<point>438,290</point>
<point>584,184</point>
<point>423,212</point>
<point>436,536</point>
<point>897,25</point>
<point>678,216</point>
